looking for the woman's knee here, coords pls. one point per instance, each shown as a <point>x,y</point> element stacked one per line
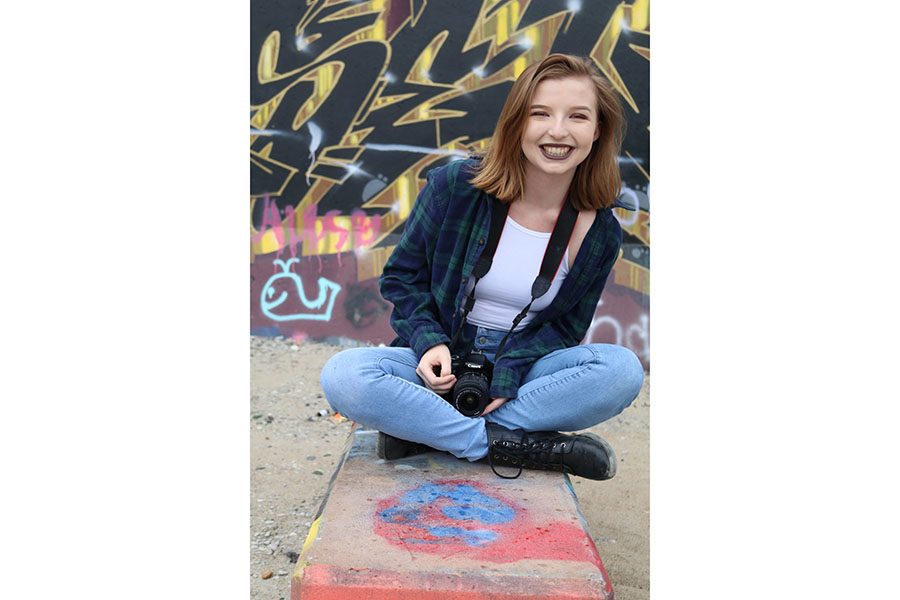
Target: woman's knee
<point>351,377</point>
<point>336,378</point>
<point>624,373</point>
<point>630,374</point>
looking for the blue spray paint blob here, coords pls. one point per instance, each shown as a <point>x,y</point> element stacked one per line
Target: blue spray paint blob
<point>466,503</point>
<point>470,537</point>
<point>400,514</point>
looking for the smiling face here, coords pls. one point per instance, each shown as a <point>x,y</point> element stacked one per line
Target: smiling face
<point>561,126</point>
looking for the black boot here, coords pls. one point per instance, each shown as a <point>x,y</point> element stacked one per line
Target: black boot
<point>585,454</point>
<point>389,447</point>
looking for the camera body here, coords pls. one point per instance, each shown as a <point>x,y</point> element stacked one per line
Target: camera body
<point>472,392</point>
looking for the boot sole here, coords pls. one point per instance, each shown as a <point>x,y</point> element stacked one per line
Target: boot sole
<point>381,449</point>
<point>379,446</point>
<point>610,453</point>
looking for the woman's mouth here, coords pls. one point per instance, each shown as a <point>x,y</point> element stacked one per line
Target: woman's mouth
<point>556,151</point>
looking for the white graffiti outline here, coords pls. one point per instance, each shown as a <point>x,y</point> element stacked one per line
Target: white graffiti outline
<point>634,213</point>
<point>641,330</point>
<point>418,149</point>
<point>267,304</point>
<point>624,338</point>
<point>604,320</point>
<point>316,132</point>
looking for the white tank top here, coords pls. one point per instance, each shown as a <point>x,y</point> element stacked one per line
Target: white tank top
<point>506,289</point>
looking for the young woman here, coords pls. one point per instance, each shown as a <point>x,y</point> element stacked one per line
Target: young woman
<point>557,141</point>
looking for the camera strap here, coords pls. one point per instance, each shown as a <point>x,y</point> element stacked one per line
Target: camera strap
<point>556,249</point>
<point>499,210</point>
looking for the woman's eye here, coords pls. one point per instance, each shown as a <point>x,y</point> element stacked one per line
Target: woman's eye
<point>538,113</point>
<point>579,116</point>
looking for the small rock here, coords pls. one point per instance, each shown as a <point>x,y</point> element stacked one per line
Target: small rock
<point>294,347</point>
<point>323,412</point>
<point>282,573</point>
<point>318,472</point>
<point>310,458</point>
<point>266,574</point>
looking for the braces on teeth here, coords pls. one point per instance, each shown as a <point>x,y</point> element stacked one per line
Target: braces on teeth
<point>556,151</point>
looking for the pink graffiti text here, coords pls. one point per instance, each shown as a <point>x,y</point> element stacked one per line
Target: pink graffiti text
<point>365,228</point>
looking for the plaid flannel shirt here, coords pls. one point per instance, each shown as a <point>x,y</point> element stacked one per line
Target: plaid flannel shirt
<point>426,276</point>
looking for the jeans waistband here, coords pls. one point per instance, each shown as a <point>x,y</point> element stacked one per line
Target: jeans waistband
<point>484,339</point>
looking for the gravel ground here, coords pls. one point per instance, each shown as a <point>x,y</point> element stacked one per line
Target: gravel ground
<point>296,441</point>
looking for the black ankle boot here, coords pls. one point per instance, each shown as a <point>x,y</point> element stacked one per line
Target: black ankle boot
<point>585,455</point>
<point>389,447</point>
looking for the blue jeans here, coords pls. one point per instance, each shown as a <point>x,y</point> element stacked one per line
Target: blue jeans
<point>567,390</point>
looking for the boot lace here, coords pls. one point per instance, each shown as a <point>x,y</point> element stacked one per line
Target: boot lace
<point>534,453</point>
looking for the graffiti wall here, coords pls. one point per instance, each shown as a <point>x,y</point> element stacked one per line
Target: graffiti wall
<point>353,102</point>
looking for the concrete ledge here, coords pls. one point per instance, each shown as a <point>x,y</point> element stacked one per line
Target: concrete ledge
<point>436,527</point>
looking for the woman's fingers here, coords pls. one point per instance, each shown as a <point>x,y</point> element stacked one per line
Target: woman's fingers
<point>444,384</point>
<point>434,369</point>
<point>493,405</point>
<point>438,383</point>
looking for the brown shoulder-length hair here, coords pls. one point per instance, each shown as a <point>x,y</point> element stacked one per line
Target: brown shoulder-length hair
<point>597,180</point>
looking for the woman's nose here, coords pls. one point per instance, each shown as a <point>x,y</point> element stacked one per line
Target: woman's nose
<point>558,128</point>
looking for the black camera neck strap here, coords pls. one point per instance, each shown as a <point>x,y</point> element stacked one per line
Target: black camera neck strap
<point>556,248</point>
<point>499,210</point>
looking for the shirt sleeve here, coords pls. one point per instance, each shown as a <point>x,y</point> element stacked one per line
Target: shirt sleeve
<point>406,278</point>
<point>525,347</point>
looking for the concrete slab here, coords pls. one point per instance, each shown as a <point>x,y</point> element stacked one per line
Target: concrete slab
<point>436,527</point>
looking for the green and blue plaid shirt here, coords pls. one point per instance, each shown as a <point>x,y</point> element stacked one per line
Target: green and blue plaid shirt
<point>426,276</point>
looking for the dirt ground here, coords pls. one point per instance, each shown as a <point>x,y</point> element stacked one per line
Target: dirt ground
<point>296,441</point>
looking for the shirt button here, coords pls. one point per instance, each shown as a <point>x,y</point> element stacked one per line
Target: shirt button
<point>482,340</point>
<point>481,242</point>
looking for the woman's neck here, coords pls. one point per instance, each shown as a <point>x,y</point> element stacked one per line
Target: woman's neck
<point>543,191</point>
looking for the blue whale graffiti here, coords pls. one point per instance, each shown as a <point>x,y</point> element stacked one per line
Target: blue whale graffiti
<point>286,284</point>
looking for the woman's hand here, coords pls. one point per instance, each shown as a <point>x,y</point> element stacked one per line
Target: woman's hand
<point>437,358</point>
<point>494,405</point>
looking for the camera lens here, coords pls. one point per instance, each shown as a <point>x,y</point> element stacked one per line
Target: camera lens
<point>467,403</point>
<point>470,394</point>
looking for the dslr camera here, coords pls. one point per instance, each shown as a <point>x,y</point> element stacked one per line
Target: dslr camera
<point>471,393</point>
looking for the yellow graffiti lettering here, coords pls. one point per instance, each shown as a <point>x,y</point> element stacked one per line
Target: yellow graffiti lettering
<point>498,28</point>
